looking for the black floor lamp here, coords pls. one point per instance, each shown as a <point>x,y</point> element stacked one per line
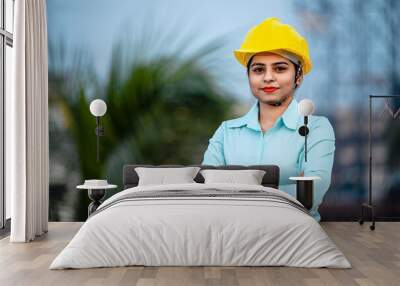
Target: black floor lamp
<point>369,206</point>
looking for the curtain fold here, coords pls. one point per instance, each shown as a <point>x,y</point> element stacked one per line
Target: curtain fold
<point>27,119</point>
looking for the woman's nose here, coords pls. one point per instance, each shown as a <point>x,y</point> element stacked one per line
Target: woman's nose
<point>268,75</point>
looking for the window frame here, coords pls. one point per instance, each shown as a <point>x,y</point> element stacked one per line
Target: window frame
<point>6,39</point>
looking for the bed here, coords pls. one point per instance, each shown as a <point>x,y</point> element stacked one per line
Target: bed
<point>201,224</point>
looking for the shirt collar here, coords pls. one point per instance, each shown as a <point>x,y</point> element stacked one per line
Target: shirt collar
<point>290,117</point>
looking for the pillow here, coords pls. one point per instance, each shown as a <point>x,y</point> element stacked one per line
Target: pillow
<point>249,177</point>
<point>162,176</point>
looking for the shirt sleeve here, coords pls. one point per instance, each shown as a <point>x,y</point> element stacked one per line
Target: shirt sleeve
<point>214,154</point>
<point>320,156</point>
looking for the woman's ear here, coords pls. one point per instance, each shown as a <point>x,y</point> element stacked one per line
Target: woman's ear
<point>299,80</point>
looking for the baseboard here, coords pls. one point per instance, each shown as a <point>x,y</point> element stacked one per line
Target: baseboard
<point>393,219</point>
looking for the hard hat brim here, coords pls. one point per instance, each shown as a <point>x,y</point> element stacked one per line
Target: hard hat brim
<point>242,57</point>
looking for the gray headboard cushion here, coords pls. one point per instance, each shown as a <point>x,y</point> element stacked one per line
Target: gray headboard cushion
<point>130,178</point>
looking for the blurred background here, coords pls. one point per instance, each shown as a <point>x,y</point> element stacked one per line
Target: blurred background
<point>167,73</point>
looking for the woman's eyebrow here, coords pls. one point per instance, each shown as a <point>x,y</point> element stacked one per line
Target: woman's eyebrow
<point>261,64</point>
<point>257,64</point>
<point>278,63</point>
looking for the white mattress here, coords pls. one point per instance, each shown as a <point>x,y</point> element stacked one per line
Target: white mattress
<point>200,231</point>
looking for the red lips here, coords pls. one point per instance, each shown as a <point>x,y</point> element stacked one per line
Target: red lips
<point>269,89</point>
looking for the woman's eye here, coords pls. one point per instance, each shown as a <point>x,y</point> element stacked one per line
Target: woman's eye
<point>258,70</point>
<point>280,69</point>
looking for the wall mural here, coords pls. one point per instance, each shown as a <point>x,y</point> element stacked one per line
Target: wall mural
<point>169,78</point>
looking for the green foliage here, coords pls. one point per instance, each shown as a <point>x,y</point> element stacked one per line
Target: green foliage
<point>159,111</point>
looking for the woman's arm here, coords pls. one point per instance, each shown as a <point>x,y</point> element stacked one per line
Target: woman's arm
<point>214,154</point>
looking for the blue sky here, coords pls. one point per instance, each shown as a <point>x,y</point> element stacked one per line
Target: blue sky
<point>96,26</point>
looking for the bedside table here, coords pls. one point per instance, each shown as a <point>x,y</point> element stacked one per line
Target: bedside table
<point>96,192</point>
<point>305,190</point>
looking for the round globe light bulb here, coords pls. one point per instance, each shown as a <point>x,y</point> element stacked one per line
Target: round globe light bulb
<point>306,107</point>
<point>98,107</point>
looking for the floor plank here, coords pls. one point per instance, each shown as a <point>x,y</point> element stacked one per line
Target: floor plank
<point>374,255</point>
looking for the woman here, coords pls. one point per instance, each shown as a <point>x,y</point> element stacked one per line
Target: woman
<point>276,58</point>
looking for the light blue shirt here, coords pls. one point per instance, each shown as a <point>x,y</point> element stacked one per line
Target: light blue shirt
<point>241,141</point>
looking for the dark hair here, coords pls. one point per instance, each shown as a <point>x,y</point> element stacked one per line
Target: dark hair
<point>249,63</point>
<point>297,68</point>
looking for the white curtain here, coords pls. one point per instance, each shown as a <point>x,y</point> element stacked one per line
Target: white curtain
<point>27,147</point>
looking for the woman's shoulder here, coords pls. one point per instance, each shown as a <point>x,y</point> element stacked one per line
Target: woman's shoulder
<point>248,118</point>
<point>228,124</point>
<point>319,120</point>
<point>321,124</point>
<point>235,122</point>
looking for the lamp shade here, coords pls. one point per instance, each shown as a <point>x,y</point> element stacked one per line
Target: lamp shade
<point>306,107</point>
<point>98,107</point>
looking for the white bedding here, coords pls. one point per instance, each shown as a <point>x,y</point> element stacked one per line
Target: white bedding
<point>200,231</point>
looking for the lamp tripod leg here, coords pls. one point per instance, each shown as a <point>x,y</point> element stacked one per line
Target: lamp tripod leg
<point>372,226</point>
<point>361,220</point>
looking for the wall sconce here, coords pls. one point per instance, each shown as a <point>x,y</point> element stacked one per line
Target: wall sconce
<point>98,108</point>
<point>304,184</point>
<point>305,108</point>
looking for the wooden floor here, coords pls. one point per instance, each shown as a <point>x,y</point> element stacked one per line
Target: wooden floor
<point>374,255</point>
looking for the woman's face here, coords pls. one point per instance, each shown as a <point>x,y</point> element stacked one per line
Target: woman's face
<point>272,78</point>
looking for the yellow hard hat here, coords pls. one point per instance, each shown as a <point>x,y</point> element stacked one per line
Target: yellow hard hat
<point>271,35</point>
